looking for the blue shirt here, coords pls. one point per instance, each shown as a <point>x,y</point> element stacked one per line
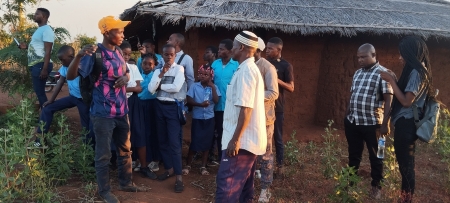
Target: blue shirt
<point>222,77</point>
<point>145,94</point>
<point>197,92</point>
<point>107,101</point>
<point>74,85</point>
<point>139,62</point>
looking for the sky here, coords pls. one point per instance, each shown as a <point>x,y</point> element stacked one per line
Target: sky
<point>82,16</point>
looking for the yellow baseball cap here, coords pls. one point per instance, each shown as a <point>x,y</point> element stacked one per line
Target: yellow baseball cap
<point>110,22</point>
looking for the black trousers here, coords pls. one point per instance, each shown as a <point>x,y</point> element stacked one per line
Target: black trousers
<point>405,147</point>
<point>356,136</point>
<point>218,120</point>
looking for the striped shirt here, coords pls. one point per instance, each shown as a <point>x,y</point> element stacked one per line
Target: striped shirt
<point>107,101</point>
<point>365,108</point>
<point>246,89</point>
<point>173,84</point>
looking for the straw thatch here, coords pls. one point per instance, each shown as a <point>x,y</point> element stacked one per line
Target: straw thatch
<point>306,17</point>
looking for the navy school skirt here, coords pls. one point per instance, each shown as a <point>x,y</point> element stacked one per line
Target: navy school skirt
<point>202,134</point>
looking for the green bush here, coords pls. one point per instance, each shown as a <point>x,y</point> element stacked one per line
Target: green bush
<point>346,189</point>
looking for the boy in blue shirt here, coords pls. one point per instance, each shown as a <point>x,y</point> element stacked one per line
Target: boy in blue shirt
<point>65,55</point>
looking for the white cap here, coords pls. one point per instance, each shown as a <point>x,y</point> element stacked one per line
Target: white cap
<point>247,38</point>
<point>261,45</point>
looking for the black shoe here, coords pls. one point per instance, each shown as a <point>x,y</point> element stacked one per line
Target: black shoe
<point>146,172</point>
<point>179,186</point>
<point>165,176</point>
<point>109,198</point>
<point>132,188</point>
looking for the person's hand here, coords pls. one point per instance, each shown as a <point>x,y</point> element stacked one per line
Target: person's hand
<point>385,130</point>
<point>164,69</point>
<point>87,50</point>
<point>23,46</point>
<point>120,81</point>
<point>211,84</point>
<point>47,103</point>
<point>44,74</point>
<point>142,49</point>
<point>387,76</point>
<point>233,148</point>
<point>138,89</point>
<point>204,104</point>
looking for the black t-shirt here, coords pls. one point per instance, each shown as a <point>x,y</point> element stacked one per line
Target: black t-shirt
<point>285,74</point>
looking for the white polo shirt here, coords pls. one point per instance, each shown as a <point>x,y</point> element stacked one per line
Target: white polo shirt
<point>246,89</point>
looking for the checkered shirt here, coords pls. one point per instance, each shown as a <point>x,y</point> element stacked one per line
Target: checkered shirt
<point>365,108</point>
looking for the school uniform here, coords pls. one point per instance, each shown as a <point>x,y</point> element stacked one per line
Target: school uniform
<point>202,128</point>
<point>133,104</point>
<point>173,87</point>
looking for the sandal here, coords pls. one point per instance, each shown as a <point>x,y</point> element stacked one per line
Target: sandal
<point>186,170</point>
<point>203,171</point>
<point>165,176</point>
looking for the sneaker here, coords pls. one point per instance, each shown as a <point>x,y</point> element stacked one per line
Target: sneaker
<point>146,172</point>
<point>154,166</point>
<point>213,163</point>
<point>265,196</point>
<point>375,193</point>
<point>109,198</point>
<point>132,188</point>
<point>138,167</point>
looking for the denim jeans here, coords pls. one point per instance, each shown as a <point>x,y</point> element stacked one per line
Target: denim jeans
<point>116,129</point>
<point>61,104</point>
<point>38,84</point>
<point>278,137</point>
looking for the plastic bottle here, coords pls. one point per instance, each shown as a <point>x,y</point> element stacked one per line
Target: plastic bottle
<point>381,147</point>
<point>207,94</point>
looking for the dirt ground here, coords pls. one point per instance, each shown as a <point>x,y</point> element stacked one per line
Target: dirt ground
<point>303,182</point>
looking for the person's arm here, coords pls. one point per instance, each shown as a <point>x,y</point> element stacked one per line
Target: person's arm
<point>177,83</point>
<point>154,82</point>
<point>190,79</point>
<point>72,72</point>
<point>289,86</point>
<point>243,121</point>
<point>406,99</point>
<point>137,88</point>
<point>191,102</point>
<point>271,81</point>
<point>48,52</point>
<point>215,94</point>
<point>56,91</point>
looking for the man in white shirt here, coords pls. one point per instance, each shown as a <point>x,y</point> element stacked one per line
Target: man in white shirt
<point>244,127</point>
<point>170,85</point>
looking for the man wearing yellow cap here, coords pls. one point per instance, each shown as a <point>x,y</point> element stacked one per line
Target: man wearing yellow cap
<point>244,127</point>
<point>108,72</point>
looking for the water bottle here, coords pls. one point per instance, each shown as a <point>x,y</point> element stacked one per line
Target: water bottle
<point>381,146</point>
<point>207,94</point>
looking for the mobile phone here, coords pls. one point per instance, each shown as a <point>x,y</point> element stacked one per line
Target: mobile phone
<point>17,42</point>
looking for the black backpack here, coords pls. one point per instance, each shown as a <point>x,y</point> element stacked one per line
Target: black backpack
<point>87,83</point>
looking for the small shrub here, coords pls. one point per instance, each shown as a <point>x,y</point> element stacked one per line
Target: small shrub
<point>346,189</point>
<point>331,151</point>
<point>392,179</point>
<point>443,140</point>
<point>292,150</point>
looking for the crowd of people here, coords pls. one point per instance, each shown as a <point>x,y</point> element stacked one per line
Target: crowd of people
<point>134,110</point>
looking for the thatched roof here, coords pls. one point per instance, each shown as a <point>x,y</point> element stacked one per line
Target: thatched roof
<point>306,17</point>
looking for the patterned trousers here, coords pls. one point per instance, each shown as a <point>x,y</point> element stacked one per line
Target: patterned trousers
<point>266,160</point>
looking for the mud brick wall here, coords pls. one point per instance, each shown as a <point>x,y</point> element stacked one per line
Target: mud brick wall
<point>339,63</point>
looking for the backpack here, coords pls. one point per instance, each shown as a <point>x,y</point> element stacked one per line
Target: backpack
<point>87,84</point>
<point>427,126</point>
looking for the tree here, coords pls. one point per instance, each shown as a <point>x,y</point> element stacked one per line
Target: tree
<point>15,77</point>
<point>81,40</point>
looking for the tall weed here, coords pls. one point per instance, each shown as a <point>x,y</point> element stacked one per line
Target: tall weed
<point>331,151</point>
<point>347,189</point>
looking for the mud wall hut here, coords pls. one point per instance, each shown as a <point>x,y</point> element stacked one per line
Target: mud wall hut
<point>320,36</point>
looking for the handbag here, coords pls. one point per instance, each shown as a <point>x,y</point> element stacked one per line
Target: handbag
<point>181,112</point>
<point>427,126</point>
